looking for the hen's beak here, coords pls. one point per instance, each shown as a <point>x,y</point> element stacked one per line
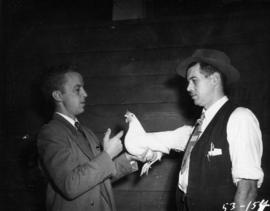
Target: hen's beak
<point>127,118</point>
<point>127,115</point>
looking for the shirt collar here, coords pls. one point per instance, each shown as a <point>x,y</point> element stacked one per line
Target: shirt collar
<point>213,109</point>
<point>70,120</point>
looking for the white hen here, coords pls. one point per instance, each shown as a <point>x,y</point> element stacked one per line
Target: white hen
<point>137,141</point>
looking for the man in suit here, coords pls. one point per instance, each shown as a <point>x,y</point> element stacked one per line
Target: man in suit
<point>79,172</point>
<point>221,167</point>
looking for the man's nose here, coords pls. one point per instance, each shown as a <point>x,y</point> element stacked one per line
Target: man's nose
<point>84,93</point>
<point>188,87</point>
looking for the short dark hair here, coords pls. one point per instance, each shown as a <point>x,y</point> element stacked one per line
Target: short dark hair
<point>208,69</point>
<point>54,79</point>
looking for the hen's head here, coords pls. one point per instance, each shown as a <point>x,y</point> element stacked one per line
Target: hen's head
<point>129,116</point>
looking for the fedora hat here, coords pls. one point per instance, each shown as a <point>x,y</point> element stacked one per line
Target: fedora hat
<point>213,57</point>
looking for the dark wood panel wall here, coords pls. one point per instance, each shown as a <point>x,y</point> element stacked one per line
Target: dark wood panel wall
<point>2,72</point>
<point>130,65</point>
<point>2,102</point>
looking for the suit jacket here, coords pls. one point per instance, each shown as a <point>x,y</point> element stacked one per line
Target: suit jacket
<point>79,173</point>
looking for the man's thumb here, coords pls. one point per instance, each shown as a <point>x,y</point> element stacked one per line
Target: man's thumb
<point>107,135</point>
<point>119,135</point>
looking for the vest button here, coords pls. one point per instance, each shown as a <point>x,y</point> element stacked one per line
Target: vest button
<point>92,203</point>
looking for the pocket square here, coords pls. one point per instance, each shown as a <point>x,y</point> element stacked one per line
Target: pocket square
<point>215,152</point>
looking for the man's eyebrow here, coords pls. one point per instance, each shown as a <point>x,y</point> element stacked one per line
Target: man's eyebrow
<point>78,86</point>
<point>191,78</point>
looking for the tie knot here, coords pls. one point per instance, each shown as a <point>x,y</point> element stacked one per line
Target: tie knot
<point>79,128</point>
<point>200,120</point>
<point>77,125</point>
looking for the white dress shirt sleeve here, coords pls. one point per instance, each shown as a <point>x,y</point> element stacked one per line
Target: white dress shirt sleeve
<point>245,144</point>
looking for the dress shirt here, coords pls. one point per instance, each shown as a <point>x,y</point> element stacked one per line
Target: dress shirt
<point>245,144</point>
<point>69,119</point>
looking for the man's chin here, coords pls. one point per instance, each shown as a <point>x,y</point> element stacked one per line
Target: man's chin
<point>80,112</point>
<point>197,103</point>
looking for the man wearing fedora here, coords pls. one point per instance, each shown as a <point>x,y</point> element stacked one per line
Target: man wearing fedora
<point>221,167</point>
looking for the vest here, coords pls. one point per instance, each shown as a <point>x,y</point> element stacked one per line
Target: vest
<point>210,178</point>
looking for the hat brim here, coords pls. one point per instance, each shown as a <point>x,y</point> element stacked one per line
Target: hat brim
<point>231,73</point>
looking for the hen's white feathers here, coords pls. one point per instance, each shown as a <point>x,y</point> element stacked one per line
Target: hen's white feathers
<point>137,140</point>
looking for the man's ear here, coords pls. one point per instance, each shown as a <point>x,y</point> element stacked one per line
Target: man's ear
<point>215,77</point>
<point>57,95</point>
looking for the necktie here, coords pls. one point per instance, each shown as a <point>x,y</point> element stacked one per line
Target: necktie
<point>192,141</point>
<point>81,131</point>
<point>79,128</point>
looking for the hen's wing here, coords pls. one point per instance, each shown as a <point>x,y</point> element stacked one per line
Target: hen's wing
<point>137,140</point>
<point>174,139</point>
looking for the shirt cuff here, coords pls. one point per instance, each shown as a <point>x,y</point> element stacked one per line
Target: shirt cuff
<point>248,173</point>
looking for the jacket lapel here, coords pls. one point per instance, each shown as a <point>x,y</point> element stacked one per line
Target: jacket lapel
<point>83,143</point>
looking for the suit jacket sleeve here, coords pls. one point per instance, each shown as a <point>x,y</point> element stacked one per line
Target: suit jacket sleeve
<point>72,175</point>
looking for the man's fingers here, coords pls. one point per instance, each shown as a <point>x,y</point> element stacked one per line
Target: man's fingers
<point>119,135</point>
<point>107,135</point>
